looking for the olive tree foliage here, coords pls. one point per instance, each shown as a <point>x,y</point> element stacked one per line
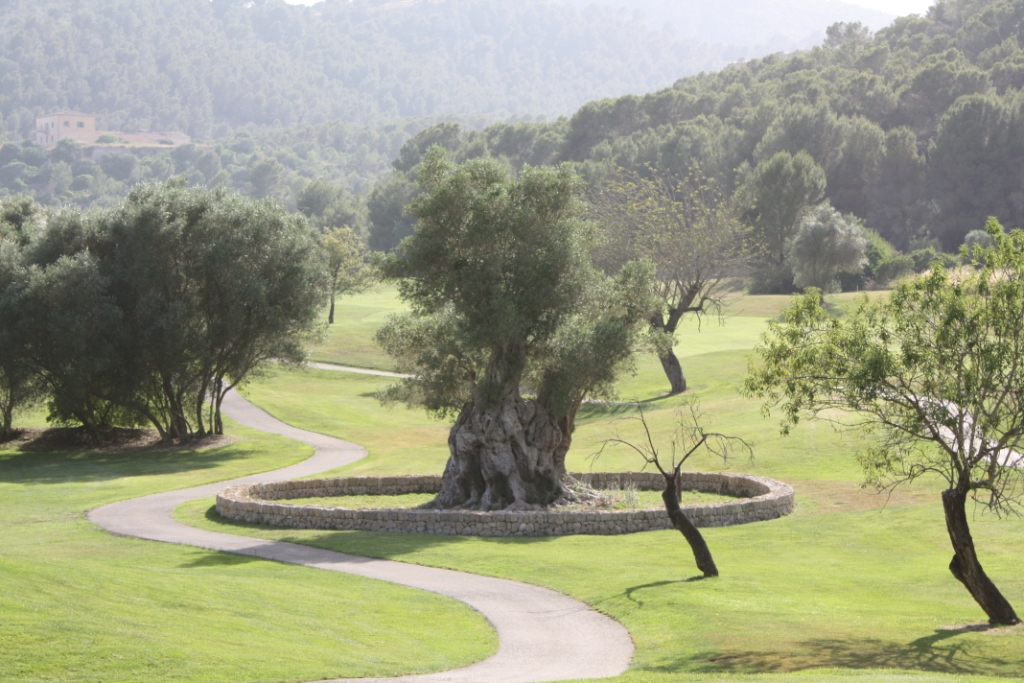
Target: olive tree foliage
<point>688,230</point>
<point>503,295</point>
<point>151,311</point>
<point>933,374</point>
<point>825,245</point>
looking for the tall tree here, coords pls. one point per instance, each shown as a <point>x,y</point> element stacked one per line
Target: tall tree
<point>17,381</point>
<point>775,196</point>
<point>503,293</point>
<point>933,375</point>
<point>144,312</point>
<point>346,265</point>
<point>688,230</point>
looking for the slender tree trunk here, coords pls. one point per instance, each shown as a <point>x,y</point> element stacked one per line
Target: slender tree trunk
<point>330,316</point>
<point>965,565</point>
<point>178,425</point>
<point>7,424</point>
<point>682,523</point>
<point>674,372</point>
<point>200,402</point>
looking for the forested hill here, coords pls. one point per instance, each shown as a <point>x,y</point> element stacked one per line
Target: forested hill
<point>207,67</point>
<point>917,129</point>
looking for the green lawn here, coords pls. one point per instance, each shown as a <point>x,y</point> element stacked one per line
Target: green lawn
<point>853,586</point>
<point>78,604</point>
<point>350,340</point>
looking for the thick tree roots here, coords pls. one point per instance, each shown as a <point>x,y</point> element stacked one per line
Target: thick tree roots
<point>508,457</point>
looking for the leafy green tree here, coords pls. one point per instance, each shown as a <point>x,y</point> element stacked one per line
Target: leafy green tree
<point>775,197</point>
<point>932,375</point>
<point>265,177</point>
<point>18,386</point>
<point>974,166</point>
<point>688,230</point>
<point>825,245</point>
<point>211,287</point>
<point>346,264</point>
<point>73,335</point>
<point>503,295</point>
<point>145,312</point>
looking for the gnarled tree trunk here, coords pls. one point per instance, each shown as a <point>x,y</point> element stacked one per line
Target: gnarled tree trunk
<point>507,456</point>
<point>965,565</point>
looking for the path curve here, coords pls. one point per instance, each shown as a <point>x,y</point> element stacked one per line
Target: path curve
<point>542,635</point>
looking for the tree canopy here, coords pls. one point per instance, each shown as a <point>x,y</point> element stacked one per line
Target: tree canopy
<point>503,295</point>
<point>144,312</point>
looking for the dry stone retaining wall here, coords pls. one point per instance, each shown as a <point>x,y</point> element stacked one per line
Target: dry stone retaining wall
<point>759,499</point>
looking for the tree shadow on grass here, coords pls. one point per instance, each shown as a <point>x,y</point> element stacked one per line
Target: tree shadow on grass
<point>600,409</point>
<point>942,652</point>
<point>630,592</point>
<point>216,559</point>
<point>87,465</point>
<point>379,545</point>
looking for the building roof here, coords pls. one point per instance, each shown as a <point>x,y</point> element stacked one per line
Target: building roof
<point>66,112</point>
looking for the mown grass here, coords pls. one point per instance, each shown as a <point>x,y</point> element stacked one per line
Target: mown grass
<point>350,340</point>
<point>853,586</point>
<point>80,605</point>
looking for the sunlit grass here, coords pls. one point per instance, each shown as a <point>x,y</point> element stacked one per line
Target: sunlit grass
<point>853,586</point>
<point>78,604</point>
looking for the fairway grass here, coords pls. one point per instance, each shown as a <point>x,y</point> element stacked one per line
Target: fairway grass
<point>852,586</point>
<point>79,605</point>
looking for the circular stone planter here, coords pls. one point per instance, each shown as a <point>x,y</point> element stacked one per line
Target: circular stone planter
<point>758,499</point>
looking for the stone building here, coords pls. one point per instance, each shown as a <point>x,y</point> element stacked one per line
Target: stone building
<point>52,128</point>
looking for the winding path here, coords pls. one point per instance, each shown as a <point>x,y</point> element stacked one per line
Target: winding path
<point>543,635</point>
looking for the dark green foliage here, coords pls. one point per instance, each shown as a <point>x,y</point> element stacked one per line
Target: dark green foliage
<point>142,313</point>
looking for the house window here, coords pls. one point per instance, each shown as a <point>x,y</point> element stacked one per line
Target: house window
<point>81,124</point>
<point>67,124</point>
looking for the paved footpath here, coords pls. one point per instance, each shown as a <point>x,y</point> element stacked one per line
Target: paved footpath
<point>542,635</point>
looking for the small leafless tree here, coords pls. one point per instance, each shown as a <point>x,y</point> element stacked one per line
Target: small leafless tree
<point>689,438</point>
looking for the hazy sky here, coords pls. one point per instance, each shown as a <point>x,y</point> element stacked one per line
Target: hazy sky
<point>890,6</point>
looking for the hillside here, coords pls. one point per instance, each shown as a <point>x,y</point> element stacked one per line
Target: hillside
<point>208,67</point>
<point>918,128</point>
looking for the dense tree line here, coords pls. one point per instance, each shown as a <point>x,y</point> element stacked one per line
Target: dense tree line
<point>916,131</point>
<point>148,312</point>
<point>275,163</point>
